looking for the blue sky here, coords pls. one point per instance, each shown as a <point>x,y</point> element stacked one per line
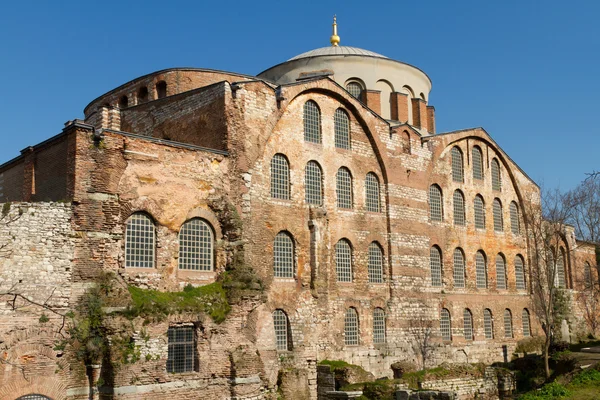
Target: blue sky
<point>526,71</point>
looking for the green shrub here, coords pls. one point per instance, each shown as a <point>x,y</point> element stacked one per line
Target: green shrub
<point>550,391</point>
<point>532,344</point>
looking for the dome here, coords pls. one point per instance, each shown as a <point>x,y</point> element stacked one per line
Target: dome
<point>337,51</point>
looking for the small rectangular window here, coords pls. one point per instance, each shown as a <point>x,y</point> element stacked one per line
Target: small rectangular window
<point>182,349</point>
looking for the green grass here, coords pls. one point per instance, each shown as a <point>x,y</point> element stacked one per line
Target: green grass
<point>584,385</point>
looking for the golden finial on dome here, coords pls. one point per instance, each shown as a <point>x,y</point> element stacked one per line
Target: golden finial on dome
<point>335,39</point>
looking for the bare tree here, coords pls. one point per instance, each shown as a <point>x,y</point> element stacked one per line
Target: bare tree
<point>420,329</point>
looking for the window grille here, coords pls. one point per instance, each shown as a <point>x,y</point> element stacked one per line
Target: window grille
<point>139,242</point>
<point>280,321</point>
<point>341,126</point>
<point>283,256</point>
<point>587,275</point>
<point>344,188</point>
<point>514,218</point>
<point>459,208</point>
<point>445,325</point>
<point>457,165</point>
<point>459,269</point>
<point>351,327</point>
<point>343,261</point>
<point>355,89</point>
<point>312,122</point>
<point>481,270</point>
<point>435,203</point>
<point>560,269</point>
<point>488,324</point>
<point>500,272</point>
<point>313,183</point>
<point>378,326</point>
<point>34,397</point>
<point>196,246</point>
<point>477,163</point>
<point>508,330</point>
<point>435,263</point>
<point>467,325</point>
<point>479,211</point>
<point>526,325</point>
<point>375,266</point>
<point>182,349</point>
<point>280,177</point>
<point>519,273</point>
<point>372,193</point>
<point>496,179</point>
<point>498,220</point>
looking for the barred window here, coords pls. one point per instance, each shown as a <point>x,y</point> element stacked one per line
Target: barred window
<point>435,263</point>
<point>312,122</point>
<point>488,324</point>
<point>196,246</point>
<point>477,163</point>
<point>372,193</point>
<point>445,325</point>
<point>355,89</point>
<point>341,126</point>
<point>459,208</point>
<point>479,211</point>
<point>282,331</point>
<point>500,272</point>
<point>280,177</point>
<point>496,179</point>
<point>378,326</point>
<point>283,256</point>
<point>343,261</point>
<point>375,263</point>
<point>498,220</point>
<point>435,203</point>
<point>351,327</point>
<point>587,275</point>
<point>34,397</point>
<point>481,270</point>
<point>514,218</point>
<point>139,241</point>
<point>459,268</point>
<point>526,325</point>
<point>519,273</point>
<point>313,183</point>
<point>457,165</point>
<point>467,324</point>
<point>181,349</point>
<point>344,188</point>
<point>508,330</point>
<point>560,269</point>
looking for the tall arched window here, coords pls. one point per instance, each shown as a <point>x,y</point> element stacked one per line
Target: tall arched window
<point>375,265</point>
<point>355,89</point>
<point>280,177</point>
<point>587,276</point>
<point>498,219</point>
<point>351,327</point>
<point>343,261</point>
<point>282,331</point>
<point>496,179</point>
<point>161,89</point>
<point>519,272</point>
<point>514,218</point>
<point>445,325</point>
<point>142,95</point>
<point>196,242</point>
<point>140,241</point>
<point>435,263</point>
<point>481,270</point>
<point>479,211</point>
<point>459,208</point>
<point>312,122</point>
<point>560,269</point>
<point>500,272</point>
<point>378,326</point>
<point>283,256</point>
<point>477,163</point>
<point>526,324</point>
<point>457,165</point>
<point>343,184</point>
<point>488,324</point>
<point>459,268</point>
<point>341,125</point>
<point>435,203</point>
<point>468,324</point>
<point>508,329</point>
<point>372,202</point>
<point>123,102</point>
<point>313,183</point>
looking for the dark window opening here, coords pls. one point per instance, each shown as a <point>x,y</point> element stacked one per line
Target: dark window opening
<point>161,89</point>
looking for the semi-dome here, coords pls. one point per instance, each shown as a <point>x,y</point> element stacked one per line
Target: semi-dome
<point>337,51</point>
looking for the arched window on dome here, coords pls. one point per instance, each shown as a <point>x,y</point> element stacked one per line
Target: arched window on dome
<point>161,89</point>
<point>355,89</point>
<point>386,89</point>
<point>123,102</point>
<point>142,95</point>
<point>410,94</point>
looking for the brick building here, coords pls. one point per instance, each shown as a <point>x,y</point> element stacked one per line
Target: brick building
<point>323,174</point>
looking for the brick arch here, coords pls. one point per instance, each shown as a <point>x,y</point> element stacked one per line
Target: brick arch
<point>46,386</point>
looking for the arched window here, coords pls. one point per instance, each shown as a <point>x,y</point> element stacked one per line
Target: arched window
<point>140,241</point>
<point>283,256</point>
<point>526,324</point>
<point>378,326</point>
<point>445,325</point>
<point>498,220</point>
<point>282,331</point>
<point>312,122</point>
<point>508,330</point>
<point>355,89</point>
<point>500,272</point>
<point>161,89</point>
<point>519,273</point>
<point>459,268</point>
<point>514,218</point>
<point>468,324</point>
<point>341,125</point>
<point>34,397</point>
<point>343,184</point>
<point>196,246</point>
<point>459,208</point>
<point>560,269</point>
<point>313,183</point>
<point>481,270</point>
<point>477,163</point>
<point>587,275</point>
<point>457,165</point>
<point>496,179</point>
<point>351,327</point>
<point>435,203</point>
<point>372,193</point>
<point>343,261</point>
<point>435,263</point>
<point>123,102</point>
<point>406,142</point>
<point>375,265</point>
<point>142,95</point>
<point>479,211</point>
<point>488,324</point>
<point>280,177</point>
